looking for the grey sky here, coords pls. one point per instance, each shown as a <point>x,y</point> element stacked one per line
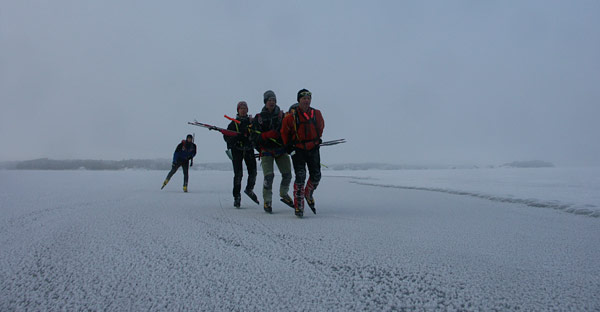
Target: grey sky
<point>422,82</point>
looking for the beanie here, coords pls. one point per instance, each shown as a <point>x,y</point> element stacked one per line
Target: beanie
<point>189,136</point>
<point>302,93</point>
<point>269,94</point>
<point>240,104</point>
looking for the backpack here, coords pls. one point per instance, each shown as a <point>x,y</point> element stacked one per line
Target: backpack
<point>312,120</point>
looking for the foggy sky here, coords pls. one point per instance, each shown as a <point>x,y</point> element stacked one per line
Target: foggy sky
<point>422,82</point>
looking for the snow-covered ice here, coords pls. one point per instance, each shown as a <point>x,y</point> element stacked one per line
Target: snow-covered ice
<point>574,190</point>
<point>381,240</point>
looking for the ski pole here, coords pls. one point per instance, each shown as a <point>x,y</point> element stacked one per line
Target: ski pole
<point>233,119</point>
<point>210,127</point>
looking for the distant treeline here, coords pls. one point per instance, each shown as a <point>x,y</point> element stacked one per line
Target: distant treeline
<point>165,164</point>
<point>374,166</point>
<point>90,164</point>
<point>529,164</point>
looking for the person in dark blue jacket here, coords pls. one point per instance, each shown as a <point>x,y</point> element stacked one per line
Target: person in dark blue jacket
<point>184,158</point>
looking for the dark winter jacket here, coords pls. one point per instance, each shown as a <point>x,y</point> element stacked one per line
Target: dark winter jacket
<point>263,123</point>
<point>241,141</point>
<point>184,152</point>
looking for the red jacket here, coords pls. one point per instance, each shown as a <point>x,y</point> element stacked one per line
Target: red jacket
<point>302,129</point>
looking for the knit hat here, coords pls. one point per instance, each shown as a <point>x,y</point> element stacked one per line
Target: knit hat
<point>302,93</point>
<point>269,94</point>
<point>242,103</point>
<point>189,136</point>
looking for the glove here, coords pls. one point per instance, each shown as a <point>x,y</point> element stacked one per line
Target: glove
<point>271,134</point>
<point>191,162</point>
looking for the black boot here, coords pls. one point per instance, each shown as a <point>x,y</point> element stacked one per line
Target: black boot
<point>268,208</point>
<point>237,201</point>
<point>308,194</point>
<point>252,196</point>
<point>287,200</point>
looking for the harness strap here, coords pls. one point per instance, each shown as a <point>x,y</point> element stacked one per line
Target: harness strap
<point>312,120</point>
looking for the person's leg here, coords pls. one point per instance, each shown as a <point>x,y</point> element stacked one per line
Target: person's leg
<point>251,167</point>
<point>174,168</point>
<point>267,167</point>
<point>185,166</point>
<point>238,172</point>
<point>313,162</point>
<point>285,167</point>
<point>299,163</point>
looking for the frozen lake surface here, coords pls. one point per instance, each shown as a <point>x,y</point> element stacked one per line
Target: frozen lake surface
<point>505,239</point>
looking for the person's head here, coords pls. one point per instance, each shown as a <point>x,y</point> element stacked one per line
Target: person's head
<point>304,97</point>
<point>189,138</point>
<point>270,100</point>
<point>242,108</point>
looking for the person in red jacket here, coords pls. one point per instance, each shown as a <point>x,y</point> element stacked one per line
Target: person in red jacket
<point>301,131</point>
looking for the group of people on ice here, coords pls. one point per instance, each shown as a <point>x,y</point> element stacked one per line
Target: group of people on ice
<point>276,136</point>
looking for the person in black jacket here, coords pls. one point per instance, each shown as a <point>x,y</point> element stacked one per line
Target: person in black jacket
<point>184,153</point>
<point>266,136</point>
<point>241,150</point>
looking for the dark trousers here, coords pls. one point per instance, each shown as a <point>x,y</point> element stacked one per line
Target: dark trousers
<point>303,159</point>
<point>184,165</point>
<point>238,171</point>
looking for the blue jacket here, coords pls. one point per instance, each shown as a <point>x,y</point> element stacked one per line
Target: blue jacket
<point>184,152</point>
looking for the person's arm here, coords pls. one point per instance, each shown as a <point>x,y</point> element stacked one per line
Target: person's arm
<point>285,129</point>
<point>177,153</point>
<point>320,123</point>
<point>193,151</point>
<point>230,139</point>
<point>255,133</point>
<point>193,154</point>
<point>287,133</point>
<point>274,133</point>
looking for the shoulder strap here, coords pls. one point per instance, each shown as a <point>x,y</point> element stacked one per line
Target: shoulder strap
<point>310,120</point>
